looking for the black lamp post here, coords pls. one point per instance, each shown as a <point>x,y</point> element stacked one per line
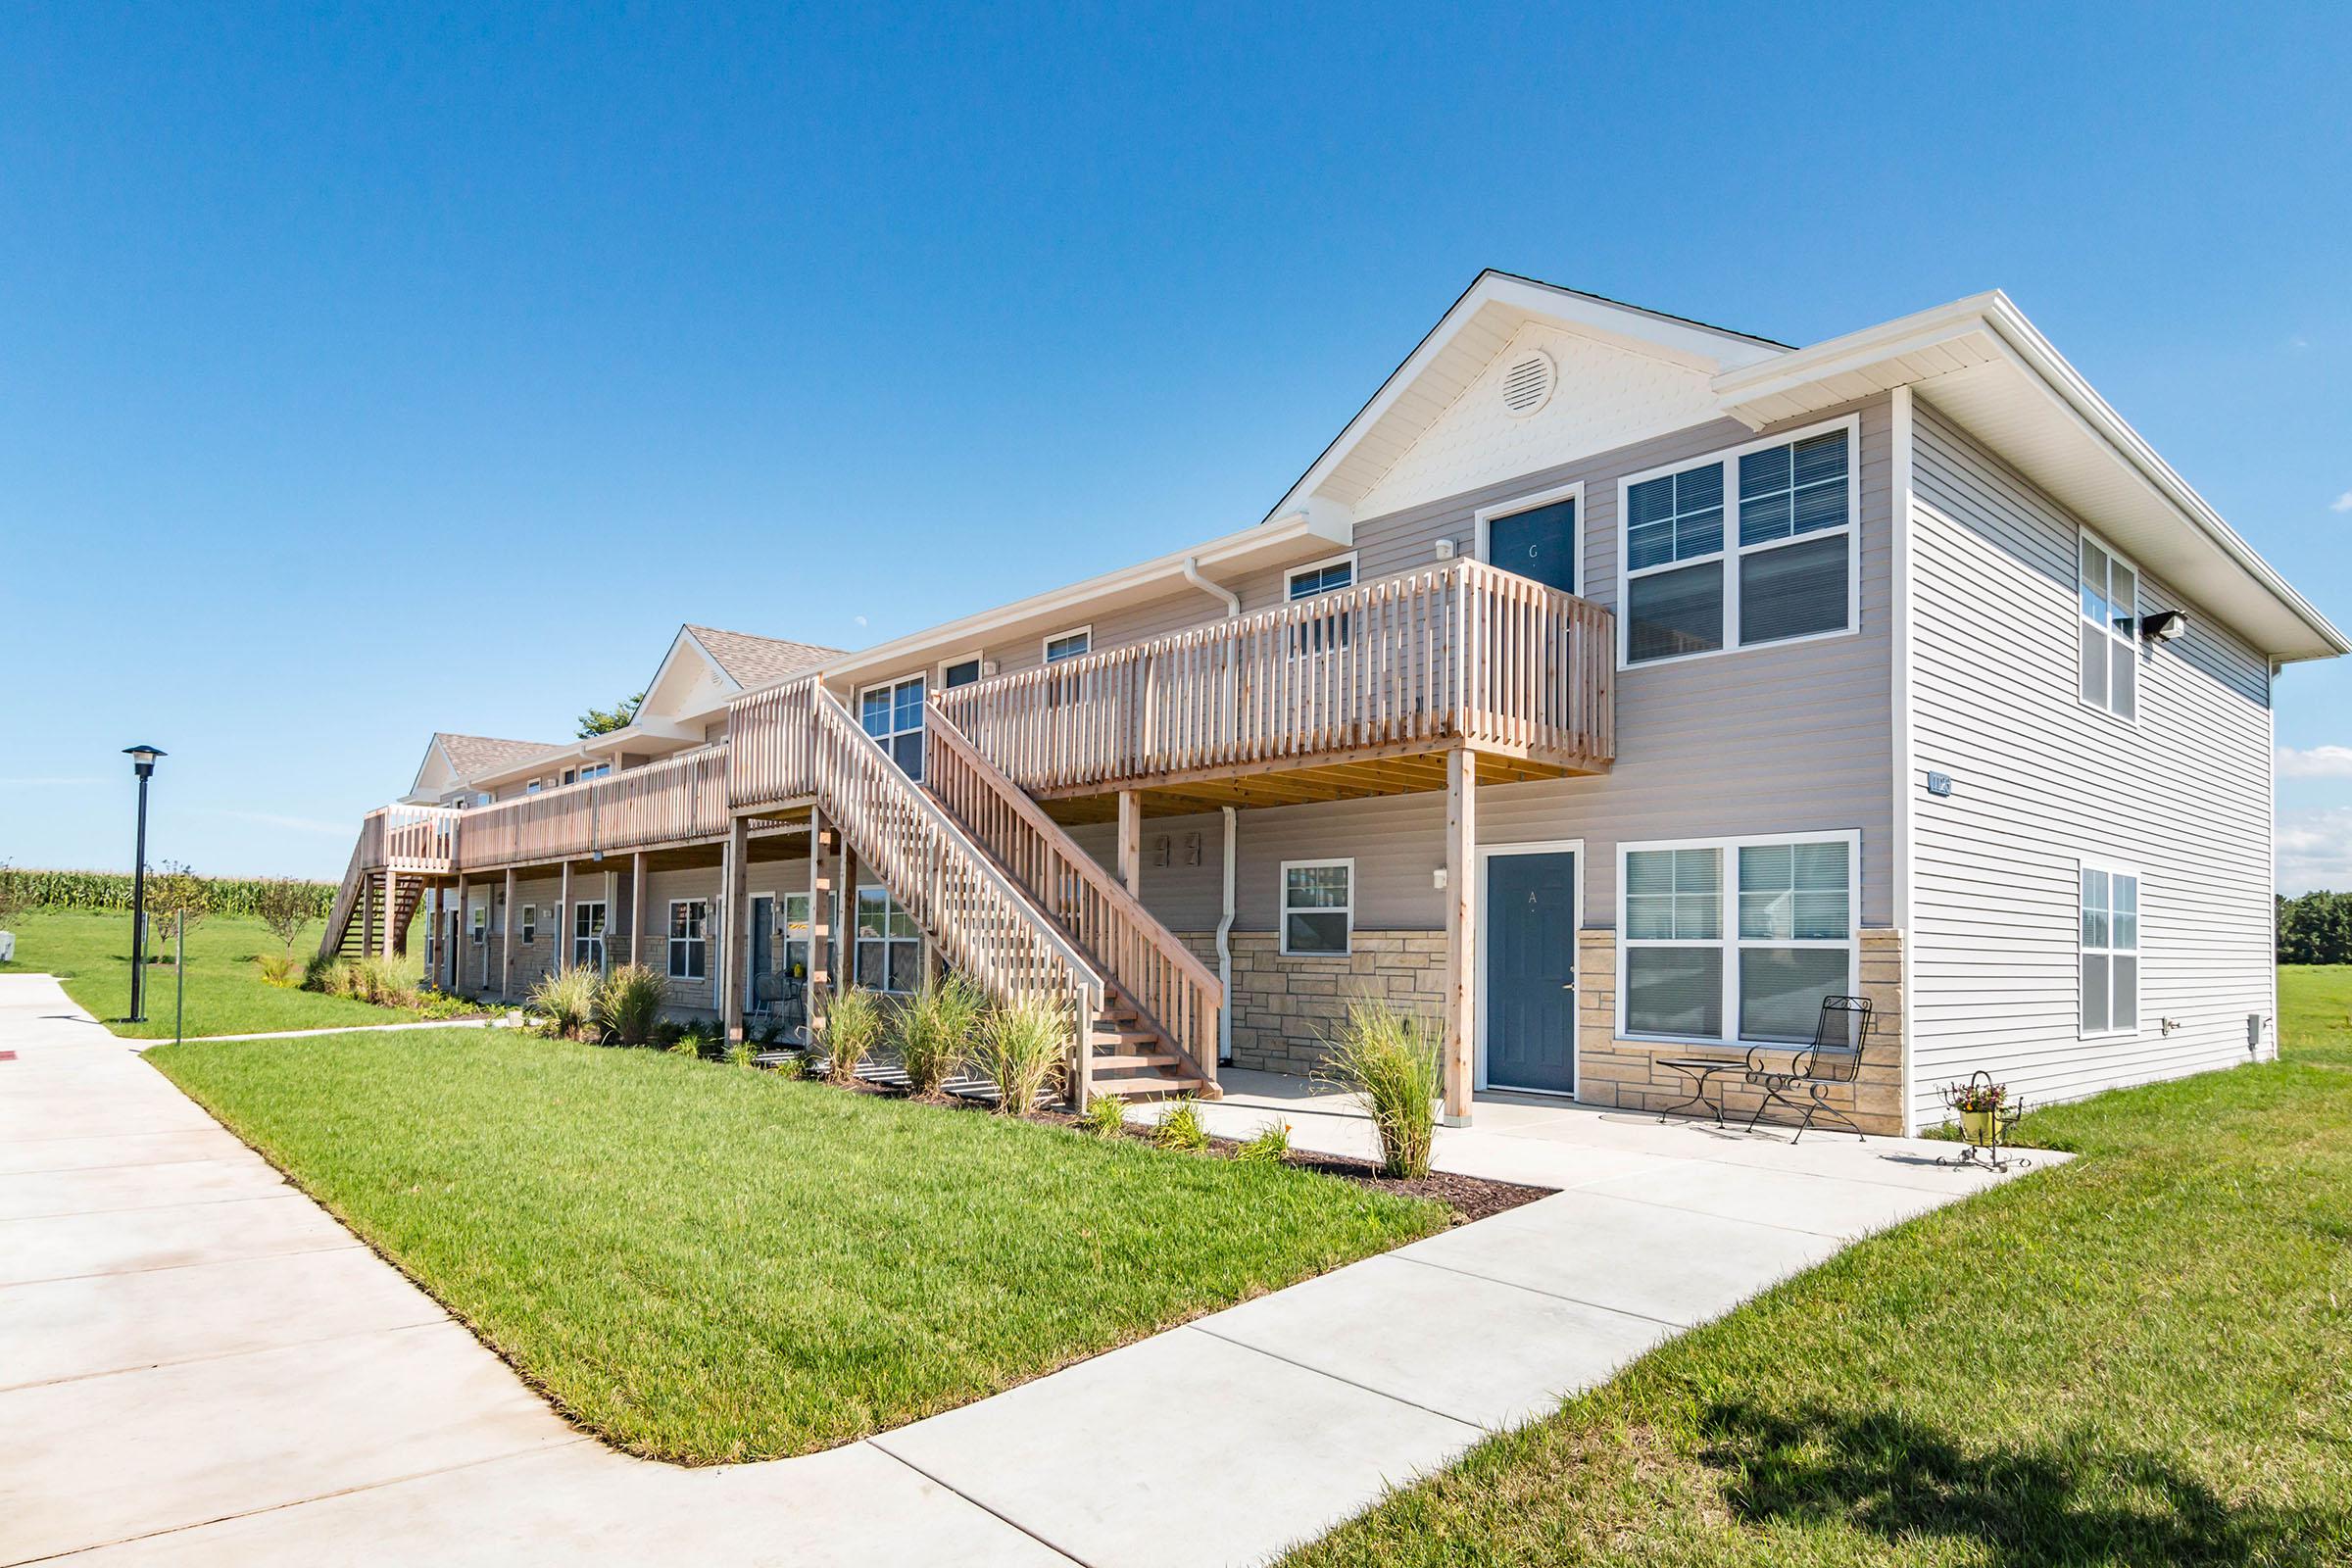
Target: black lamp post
<point>142,762</point>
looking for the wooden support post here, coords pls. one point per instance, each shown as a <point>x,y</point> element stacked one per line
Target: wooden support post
<point>436,938</point>
<point>1461,930</point>
<point>637,911</point>
<point>506,943</point>
<point>563,918</point>
<point>604,944</point>
<point>457,949</point>
<point>734,956</point>
<point>846,962</point>
<point>821,922</point>
<point>391,907</point>
<point>1131,841</point>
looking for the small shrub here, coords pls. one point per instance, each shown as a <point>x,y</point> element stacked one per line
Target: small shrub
<point>854,1025</point>
<point>1180,1128</point>
<point>1269,1147</point>
<point>377,981</point>
<point>667,1033</point>
<point>935,1033</point>
<point>794,1065</point>
<point>568,998</point>
<point>1020,1048</point>
<point>278,969</point>
<point>743,1053</point>
<point>690,1043</point>
<point>1386,1062</point>
<point>1105,1116</point>
<point>628,1002</point>
<point>322,972</point>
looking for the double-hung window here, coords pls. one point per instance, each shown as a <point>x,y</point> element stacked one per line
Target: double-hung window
<point>481,924</point>
<point>1309,582</point>
<point>890,950</point>
<point>531,923</point>
<point>2109,629</point>
<point>1736,940</point>
<point>689,939</point>
<point>1076,644</point>
<point>2110,951</point>
<point>588,935</point>
<point>1756,546</point>
<point>796,935</point>
<point>893,715</point>
<point>1318,907</point>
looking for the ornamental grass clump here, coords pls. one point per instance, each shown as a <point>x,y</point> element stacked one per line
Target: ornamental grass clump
<point>853,1026</point>
<point>278,969</point>
<point>567,999</point>
<point>1387,1063</point>
<point>379,981</point>
<point>1181,1128</point>
<point>1019,1050</point>
<point>935,1033</point>
<point>1105,1116</point>
<point>628,1003</point>
<point>1269,1146</point>
<point>323,974</point>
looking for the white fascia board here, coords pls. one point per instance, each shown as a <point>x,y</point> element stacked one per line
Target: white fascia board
<point>1323,528</point>
<point>2073,397</point>
<point>432,747</point>
<point>1627,326</point>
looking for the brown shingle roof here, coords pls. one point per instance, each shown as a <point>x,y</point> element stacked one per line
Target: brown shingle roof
<point>476,755</point>
<point>754,661</point>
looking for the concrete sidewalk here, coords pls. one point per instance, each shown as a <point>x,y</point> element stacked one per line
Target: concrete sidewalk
<point>199,1365</point>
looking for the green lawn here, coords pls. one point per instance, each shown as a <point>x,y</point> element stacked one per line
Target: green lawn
<point>703,1263</point>
<point>226,995</point>
<point>2143,1358</point>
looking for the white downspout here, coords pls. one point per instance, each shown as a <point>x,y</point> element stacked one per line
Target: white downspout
<point>1225,946</point>
<point>1192,574</point>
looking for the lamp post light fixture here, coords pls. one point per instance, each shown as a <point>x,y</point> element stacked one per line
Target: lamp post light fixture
<point>142,762</point>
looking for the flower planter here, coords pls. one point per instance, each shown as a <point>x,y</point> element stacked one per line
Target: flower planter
<point>1977,1126</point>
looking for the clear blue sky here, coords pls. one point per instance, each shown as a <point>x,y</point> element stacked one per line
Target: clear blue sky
<point>830,329</point>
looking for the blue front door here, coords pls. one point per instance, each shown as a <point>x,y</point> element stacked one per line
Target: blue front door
<point>1531,971</point>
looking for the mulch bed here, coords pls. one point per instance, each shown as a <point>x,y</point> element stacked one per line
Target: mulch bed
<point>1470,1197</point>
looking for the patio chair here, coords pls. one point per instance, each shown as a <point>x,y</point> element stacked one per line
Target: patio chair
<point>1833,1061</point>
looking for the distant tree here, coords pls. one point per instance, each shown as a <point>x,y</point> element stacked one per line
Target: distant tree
<point>605,720</point>
<point>284,906</point>
<point>2316,928</point>
<point>174,893</point>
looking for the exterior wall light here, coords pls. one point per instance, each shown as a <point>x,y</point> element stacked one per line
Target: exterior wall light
<point>2163,626</point>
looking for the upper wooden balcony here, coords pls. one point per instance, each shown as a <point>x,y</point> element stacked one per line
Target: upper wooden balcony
<point>1353,693</point>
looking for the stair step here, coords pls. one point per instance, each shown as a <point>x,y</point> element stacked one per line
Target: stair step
<point>1154,1085</point>
<point>1148,1058</point>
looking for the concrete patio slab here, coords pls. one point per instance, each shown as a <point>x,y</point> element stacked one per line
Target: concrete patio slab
<point>1110,1461</point>
<point>99,1323</point>
<point>1478,1350</point>
<point>1827,1206</point>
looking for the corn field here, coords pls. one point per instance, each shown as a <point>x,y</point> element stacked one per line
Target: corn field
<point>111,890</point>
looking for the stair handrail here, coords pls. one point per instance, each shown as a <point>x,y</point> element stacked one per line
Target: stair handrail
<point>347,894</point>
<point>948,883</point>
<point>1166,980</point>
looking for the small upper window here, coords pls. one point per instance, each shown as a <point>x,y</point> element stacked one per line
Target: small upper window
<point>1070,645</point>
<point>1318,907</point>
<point>531,787</point>
<point>962,672</point>
<point>1328,631</point>
<point>2110,952</point>
<point>893,715</point>
<point>2109,594</point>
<point>1324,577</point>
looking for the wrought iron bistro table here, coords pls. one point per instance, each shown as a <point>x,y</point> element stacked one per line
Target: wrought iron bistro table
<point>1701,1071</point>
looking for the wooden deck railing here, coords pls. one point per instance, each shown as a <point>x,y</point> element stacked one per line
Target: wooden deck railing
<point>676,800</point>
<point>1174,990</point>
<point>1460,651</point>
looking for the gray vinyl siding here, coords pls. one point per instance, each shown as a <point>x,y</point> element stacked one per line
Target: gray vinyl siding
<point>2042,781</point>
<point>1766,740</point>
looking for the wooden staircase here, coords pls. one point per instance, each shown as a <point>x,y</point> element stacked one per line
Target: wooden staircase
<point>355,924</point>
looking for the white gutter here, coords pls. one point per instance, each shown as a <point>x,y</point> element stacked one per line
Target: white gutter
<point>1192,574</point>
<point>1225,945</point>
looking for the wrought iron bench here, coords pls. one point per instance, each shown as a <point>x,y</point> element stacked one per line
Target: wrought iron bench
<point>1833,1061</point>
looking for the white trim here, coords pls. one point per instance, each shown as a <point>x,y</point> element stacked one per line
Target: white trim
<point>1731,942</point>
<point>1282,904</point>
<point>1294,573</point>
<point>1906,763</point>
<point>676,942</point>
<point>2114,558</point>
<point>1486,947</point>
<point>2111,870</point>
<point>1733,550</point>
<point>1482,520</point>
<point>1045,644</point>
<point>604,929</point>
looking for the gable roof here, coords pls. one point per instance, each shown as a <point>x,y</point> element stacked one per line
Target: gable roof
<point>752,660</point>
<point>470,756</point>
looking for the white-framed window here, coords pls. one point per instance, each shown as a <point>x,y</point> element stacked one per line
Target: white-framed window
<point>795,936</point>
<point>1318,907</point>
<point>1736,940</point>
<point>570,774</point>
<point>1308,583</point>
<point>689,939</point>
<point>893,715</point>
<point>1540,537</point>
<point>1752,545</point>
<point>481,924</point>
<point>2108,595</point>
<point>531,923</point>
<point>954,672</point>
<point>598,770</point>
<point>2110,940</point>
<point>588,934</point>
<point>1076,643</point>
<point>483,798</point>
<point>530,786</point>
<point>890,950</point>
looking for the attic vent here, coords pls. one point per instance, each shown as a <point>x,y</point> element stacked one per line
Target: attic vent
<point>1527,384</point>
